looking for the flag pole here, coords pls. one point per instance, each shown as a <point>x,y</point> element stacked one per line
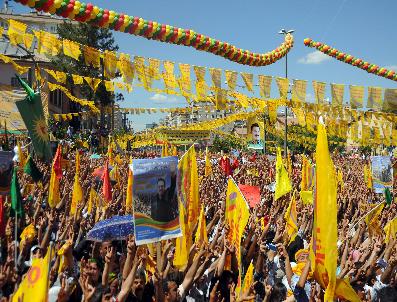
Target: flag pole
<point>15,240</point>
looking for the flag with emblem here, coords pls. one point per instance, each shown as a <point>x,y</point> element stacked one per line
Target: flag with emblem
<point>32,114</point>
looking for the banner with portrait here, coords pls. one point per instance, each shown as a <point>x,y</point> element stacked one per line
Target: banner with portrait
<point>6,165</point>
<point>155,204</point>
<point>254,134</point>
<point>382,173</point>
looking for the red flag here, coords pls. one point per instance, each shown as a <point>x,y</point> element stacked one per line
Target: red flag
<point>225,165</point>
<point>57,163</point>
<point>107,187</point>
<point>251,193</point>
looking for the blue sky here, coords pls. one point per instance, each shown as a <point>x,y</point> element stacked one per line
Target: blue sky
<point>365,29</point>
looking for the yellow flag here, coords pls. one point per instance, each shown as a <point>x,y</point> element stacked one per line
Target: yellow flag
<point>283,85</point>
<point>319,91</point>
<point>231,79</point>
<point>299,90</point>
<point>248,279</point>
<point>16,31</point>
<point>53,190</point>
<point>28,40</point>
<point>77,194</point>
<point>128,200</point>
<point>337,92</point>
<point>324,251</point>
<point>164,149</point>
<point>208,166</point>
<point>182,245</point>
<point>126,67</point>
<point>340,178</point>
<point>77,79</point>
<point>248,79</point>
<point>291,218</point>
<point>110,63</point>
<point>110,154</point>
<point>174,150</point>
<point>21,155</point>
<point>343,290</point>
<point>71,49</point>
<point>91,200</point>
<point>91,56</point>
<point>372,220</point>
<point>283,184</point>
<point>35,283</point>
<point>236,215</point>
<point>390,230</point>
<point>201,233</point>
<point>188,193</point>
<point>356,96</point>
<point>375,98</point>
<point>265,84</point>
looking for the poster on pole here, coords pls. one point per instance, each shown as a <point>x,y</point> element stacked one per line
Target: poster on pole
<point>254,134</point>
<point>382,173</point>
<point>6,166</point>
<point>156,213</point>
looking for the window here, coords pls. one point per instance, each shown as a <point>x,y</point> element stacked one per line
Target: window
<point>56,98</point>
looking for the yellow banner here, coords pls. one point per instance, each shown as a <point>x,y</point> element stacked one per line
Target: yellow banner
<point>390,100</point>
<point>71,49</point>
<point>154,68</point>
<point>16,31</point>
<point>375,98</point>
<point>110,63</point>
<point>283,86</point>
<point>231,79</point>
<point>319,91</point>
<point>216,75</point>
<point>91,56</point>
<point>126,68</point>
<point>248,79</point>
<point>356,96</point>
<point>265,84</point>
<point>337,93</point>
<point>299,90</point>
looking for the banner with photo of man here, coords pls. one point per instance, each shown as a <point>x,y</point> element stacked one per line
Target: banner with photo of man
<point>254,134</point>
<point>156,212</point>
<point>382,173</point>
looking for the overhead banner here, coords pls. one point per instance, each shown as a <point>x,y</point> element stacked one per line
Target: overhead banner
<point>390,100</point>
<point>337,92</point>
<point>156,213</point>
<point>382,173</point>
<point>6,165</point>
<point>319,91</point>
<point>375,98</point>
<point>356,96</point>
<point>299,90</point>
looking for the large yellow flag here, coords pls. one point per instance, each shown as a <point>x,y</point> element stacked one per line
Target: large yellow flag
<point>201,233</point>
<point>208,166</point>
<point>390,230</point>
<point>183,243</point>
<point>324,251</point>
<point>344,291</point>
<point>77,194</point>
<point>283,184</point>
<point>237,215</point>
<point>128,200</point>
<point>248,279</point>
<point>291,218</point>
<point>34,287</point>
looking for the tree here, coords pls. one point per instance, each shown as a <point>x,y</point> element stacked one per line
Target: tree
<point>98,38</point>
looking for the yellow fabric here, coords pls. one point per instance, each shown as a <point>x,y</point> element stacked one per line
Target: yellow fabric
<point>92,82</point>
<point>77,194</point>
<point>324,251</point>
<point>18,68</point>
<point>35,284</point>
<point>283,184</point>
<point>164,149</point>
<point>128,199</point>
<point>183,243</point>
<point>236,215</point>
<point>208,166</point>
<point>21,155</point>
<point>248,79</point>
<point>91,200</point>
<point>168,76</point>
<point>231,79</point>
<point>184,81</point>
<point>1,31</point>
<point>291,219</point>
<point>201,233</point>
<point>390,230</point>
<point>154,68</point>
<point>374,98</point>
<point>47,43</point>
<point>16,32</point>
<point>248,280</point>
<point>265,84</point>
<point>283,86</point>
<point>27,40</point>
<point>91,56</point>
<point>319,91</point>
<point>216,74</point>
<point>343,290</point>
<point>356,96</point>
<point>299,90</point>
<point>28,233</point>
<point>372,220</point>
<point>337,92</point>
<point>77,79</point>
<point>71,49</point>
<point>126,68</point>
<point>110,154</point>
<point>53,191</point>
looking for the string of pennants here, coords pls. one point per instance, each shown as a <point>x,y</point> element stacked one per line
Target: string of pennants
<point>147,73</point>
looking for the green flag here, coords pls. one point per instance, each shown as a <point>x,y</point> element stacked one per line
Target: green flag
<point>388,196</point>
<point>32,114</point>
<point>31,169</point>
<point>16,197</point>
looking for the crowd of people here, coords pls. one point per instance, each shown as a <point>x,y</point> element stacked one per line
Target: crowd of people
<point>84,270</point>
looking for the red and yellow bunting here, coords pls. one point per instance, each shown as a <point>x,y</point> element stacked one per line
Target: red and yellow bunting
<point>82,12</point>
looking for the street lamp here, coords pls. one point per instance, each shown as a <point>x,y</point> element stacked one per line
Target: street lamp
<point>285,32</point>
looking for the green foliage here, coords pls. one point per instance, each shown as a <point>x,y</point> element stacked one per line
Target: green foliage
<point>226,144</point>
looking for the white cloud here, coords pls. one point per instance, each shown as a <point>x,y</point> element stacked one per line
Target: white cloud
<point>392,67</point>
<point>160,98</point>
<point>314,57</point>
